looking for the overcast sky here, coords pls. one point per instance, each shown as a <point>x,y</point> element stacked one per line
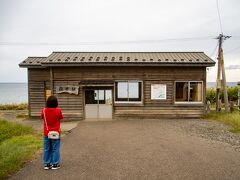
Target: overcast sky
<point>38,27</point>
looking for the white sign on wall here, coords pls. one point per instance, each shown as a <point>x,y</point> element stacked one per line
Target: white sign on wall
<point>159,91</point>
<point>67,89</point>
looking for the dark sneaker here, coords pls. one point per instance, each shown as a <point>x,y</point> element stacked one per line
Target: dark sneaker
<point>55,166</point>
<point>48,166</point>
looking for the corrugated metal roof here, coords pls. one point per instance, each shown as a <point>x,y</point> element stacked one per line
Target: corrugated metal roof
<point>33,61</point>
<point>119,58</point>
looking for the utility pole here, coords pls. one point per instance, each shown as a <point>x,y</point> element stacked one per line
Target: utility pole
<point>221,83</point>
<point>218,100</point>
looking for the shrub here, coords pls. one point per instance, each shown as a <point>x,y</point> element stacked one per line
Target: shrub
<point>211,95</point>
<point>232,94</point>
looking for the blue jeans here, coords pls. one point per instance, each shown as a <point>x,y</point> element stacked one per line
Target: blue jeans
<point>51,151</point>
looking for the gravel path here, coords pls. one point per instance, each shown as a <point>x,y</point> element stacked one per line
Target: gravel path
<point>211,130</point>
<point>144,149</point>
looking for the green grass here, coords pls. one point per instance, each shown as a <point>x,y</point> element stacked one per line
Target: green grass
<point>18,144</point>
<point>11,129</point>
<point>232,119</point>
<point>22,106</point>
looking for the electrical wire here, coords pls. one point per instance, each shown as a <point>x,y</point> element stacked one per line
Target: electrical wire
<point>219,17</point>
<point>231,50</point>
<point>214,50</point>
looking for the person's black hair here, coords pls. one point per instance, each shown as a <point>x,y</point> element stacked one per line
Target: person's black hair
<point>52,102</point>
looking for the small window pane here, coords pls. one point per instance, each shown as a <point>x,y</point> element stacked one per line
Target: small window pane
<point>101,97</point>
<point>181,91</point>
<point>122,89</point>
<point>133,90</point>
<point>90,97</point>
<point>108,97</point>
<point>96,95</point>
<point>100,94</point>
<point>195,92</point>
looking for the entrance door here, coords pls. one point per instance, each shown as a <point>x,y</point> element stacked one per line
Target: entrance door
<point>98,104</point>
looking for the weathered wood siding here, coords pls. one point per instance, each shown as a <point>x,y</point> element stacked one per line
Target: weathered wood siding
<point>73,106</point>
<point>38,80</point>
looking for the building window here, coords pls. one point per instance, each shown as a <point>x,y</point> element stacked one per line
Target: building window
<point>189,91</point>
<point>128,91</point>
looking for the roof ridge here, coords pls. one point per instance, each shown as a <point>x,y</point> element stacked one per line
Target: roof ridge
<point>127,52</point>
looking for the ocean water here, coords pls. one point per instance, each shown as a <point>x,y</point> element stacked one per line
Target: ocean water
<point>18,92</point>
<point>213,84</point>
<point>13,93</point>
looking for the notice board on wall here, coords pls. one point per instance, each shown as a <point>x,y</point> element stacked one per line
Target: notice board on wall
<point>158,91</point>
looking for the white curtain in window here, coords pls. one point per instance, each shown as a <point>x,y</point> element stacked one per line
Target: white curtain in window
<point>122,90</point>
<point>100,94</point>
<point>133,90</point>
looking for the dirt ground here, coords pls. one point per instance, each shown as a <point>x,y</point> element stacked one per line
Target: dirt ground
<point>143,149</point>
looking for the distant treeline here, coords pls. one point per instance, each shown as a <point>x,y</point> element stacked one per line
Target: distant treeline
<point>232,94</point>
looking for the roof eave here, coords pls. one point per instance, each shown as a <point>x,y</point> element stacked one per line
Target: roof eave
<point>127,64</point>
<point>30,66</point>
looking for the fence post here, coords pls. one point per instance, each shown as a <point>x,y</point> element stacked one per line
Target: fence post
<point>238,96</point>
<point>231,106</point>
<point>208,107</point>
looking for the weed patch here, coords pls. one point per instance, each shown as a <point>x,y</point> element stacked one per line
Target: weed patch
<point>232,119</point>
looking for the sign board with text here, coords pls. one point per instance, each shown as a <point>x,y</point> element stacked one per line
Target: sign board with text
<point>67,89</point>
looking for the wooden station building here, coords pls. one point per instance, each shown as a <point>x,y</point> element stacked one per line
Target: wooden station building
<point>115,85</point>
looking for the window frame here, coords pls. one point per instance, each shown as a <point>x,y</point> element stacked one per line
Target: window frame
<point>188,102</point>
<point>128,102</point>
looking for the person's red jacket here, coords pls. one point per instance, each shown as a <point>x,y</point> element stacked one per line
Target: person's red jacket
<point>53,117</point>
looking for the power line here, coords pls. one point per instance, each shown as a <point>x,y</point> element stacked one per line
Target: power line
<point>219,17</point>
<point>231,50</point>
<point>214,50</point>
<point>5,43</point>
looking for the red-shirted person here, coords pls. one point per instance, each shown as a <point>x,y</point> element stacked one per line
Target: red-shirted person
<point>51,116</point>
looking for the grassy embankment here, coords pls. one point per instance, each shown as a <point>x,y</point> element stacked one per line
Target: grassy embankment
<point>22,106</point>
<point>232,119</point>
<point>12,107</point>
<point>18,144</point>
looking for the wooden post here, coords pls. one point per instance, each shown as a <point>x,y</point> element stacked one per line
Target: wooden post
<point>231,106</point>
<point>226,104</point>
<point>218,107</point>
<point>208,107</point>
<point>239,96</point>
<point>222,83</point>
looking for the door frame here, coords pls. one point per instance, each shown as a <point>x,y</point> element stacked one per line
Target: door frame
<point>97,88</point>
